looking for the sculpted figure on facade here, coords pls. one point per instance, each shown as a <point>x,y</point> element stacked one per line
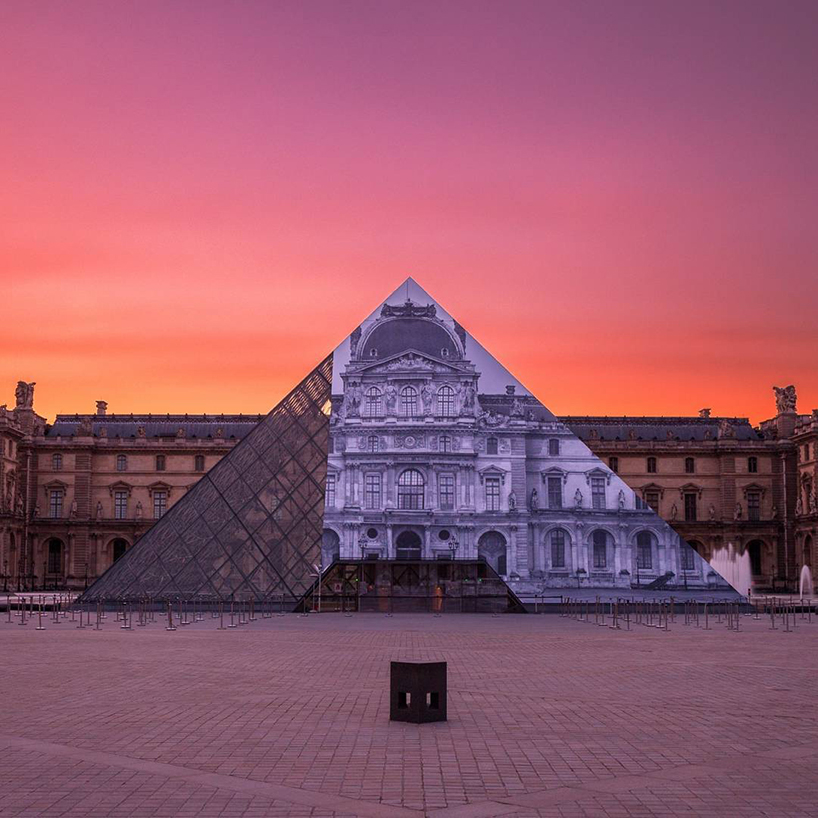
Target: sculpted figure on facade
<point>712,512</point>
<point>469,399</point>
<point>391,395</point>
<point>512,500</point>
<point>785,398</point>
<point>352,400</point>
<point>98,513</point>
<point>674,512</point>
<point>535,500</point>
<point>578,498</point>
<point>24,394</point>
<point>621,500</point>
<point>72,511</point>
<point>738,513</point>
<point>517,409</point>
<point>427,395</point>
<point>138,510</point>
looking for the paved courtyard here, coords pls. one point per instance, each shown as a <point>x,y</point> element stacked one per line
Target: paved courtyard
<point>289,716</point>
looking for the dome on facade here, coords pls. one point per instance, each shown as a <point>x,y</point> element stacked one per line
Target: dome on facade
<point>395,335</point>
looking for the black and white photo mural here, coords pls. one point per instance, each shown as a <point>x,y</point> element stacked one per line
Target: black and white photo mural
<point>437,452</point>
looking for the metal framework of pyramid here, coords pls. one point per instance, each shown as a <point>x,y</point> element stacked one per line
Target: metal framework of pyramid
<point>251,527</point>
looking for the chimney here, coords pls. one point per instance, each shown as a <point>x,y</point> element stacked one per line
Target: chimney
<point>102,407</point>
<point>510,389</point>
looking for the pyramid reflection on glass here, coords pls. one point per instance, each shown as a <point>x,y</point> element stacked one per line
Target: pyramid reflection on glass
<point>432,451</point>
<point>251,527</point>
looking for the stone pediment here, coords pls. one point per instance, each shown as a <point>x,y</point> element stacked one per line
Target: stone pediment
<point>411,361</point>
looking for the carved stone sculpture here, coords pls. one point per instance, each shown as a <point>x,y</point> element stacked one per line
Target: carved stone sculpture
<point>535,500</point>
<point>24,394</point>
<point>391,394</point>
<point>512,501</point>
<point>712,511</point>
<point>785,398</point>
<point>98,513</point>
<point>427,394</point>
<point>621,499</point>
<point>674,512</point>
<point>578,498</point>
<point>738,513</point>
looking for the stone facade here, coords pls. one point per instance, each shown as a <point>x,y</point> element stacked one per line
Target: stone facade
<point>69,504</point>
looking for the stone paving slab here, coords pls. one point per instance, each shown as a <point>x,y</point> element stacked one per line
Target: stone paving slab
<point>289,716</point>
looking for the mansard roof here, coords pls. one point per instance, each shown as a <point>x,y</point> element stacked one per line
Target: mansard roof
<point>128,426</point>
<point>588,427</point>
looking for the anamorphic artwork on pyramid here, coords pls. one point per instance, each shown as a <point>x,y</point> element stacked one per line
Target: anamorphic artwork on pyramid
<point>437,452</point>
<point>251,527</point>
<point>409,465</point>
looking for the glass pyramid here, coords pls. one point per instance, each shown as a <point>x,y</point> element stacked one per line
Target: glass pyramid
<point>431,450</point>
<point>251,527</point>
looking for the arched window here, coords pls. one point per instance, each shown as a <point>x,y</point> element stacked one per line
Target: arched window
<point>644,550</point>
<point>122,462</point>
<point>554,447</point>
<point>372,443</point>
<point>56,461</point>
<point>557,538</point>
<point>373,402</point>
<point>690,465</point>
<point>411,487</point>
<point>330,547</point>
<point>160,462</point>
<point>651,465</point>
<point>409,401</point>
<point>445,401</point>
<point>752,465</point>
<point>118,546</point>
<point>491,548</point>
<point>491,445</point>
<point>199,462</point>
<point>600,547</point>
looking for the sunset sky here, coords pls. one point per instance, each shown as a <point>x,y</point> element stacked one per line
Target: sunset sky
<point>199,200</point>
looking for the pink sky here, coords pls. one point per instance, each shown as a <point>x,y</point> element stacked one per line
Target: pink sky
<point>199,200</point>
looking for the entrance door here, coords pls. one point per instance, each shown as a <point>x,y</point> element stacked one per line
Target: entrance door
<point>408,546</point>
<point>120,547</point>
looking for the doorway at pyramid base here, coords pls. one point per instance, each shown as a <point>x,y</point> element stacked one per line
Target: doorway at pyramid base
<point>410,586</point>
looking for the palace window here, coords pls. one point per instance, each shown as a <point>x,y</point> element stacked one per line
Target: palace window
<point>652,499</point>
<point>446,402</point>
<point>613,464</point>
<point>411,489</point>
<point>120,505</point>
<point>651,465</point>
<point>199,462</point>
<point>54,556</point>
<point>753,506</point>
<point>598,493</point>
<point>372,443</point>
<point>691,500</point>
<point>752,465</point>
<point>492,494</point>
<point>554,492</point>
<point>558,548</point>
<point>329,496</point>
<point>445,443</point>
<point>160,462</point>
<point>690,465</point>
<point>644,551</point>
<point>491,445</point>
<point>122,462</point>
<point>160,503</point>
<point>55,503</point>
<point>445,485</point>
<point>686,554</point>
<point>56,461</point>
<point>600,546</point>
<point>409,401</point>
<point>372,491</point>
<point>373,402</point>
<point>554,447</point>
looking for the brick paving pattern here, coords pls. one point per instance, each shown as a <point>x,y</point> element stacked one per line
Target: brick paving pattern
<point>289,716</point>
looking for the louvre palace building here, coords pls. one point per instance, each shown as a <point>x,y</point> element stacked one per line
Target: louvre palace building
<point>424,464</point>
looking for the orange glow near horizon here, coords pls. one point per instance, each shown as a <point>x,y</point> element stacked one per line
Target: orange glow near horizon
<point>200,200</point>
